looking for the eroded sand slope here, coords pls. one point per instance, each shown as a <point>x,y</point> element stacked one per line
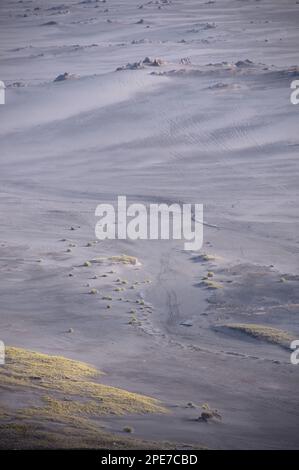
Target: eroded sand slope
<point>213,124</point>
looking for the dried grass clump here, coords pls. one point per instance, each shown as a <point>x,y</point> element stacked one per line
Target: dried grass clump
<point>117,259</point>
<point>211,284</point>
<point>93,291</point>
<point>69,405</point>
<point>134,320</point>
<point>208,413</point>
<point>70,380</point>
<point>128,429</point>
<point>206,257</point>
<point>125,259</point>
<point>262,332</point>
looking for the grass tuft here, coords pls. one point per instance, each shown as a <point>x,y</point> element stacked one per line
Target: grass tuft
<point>208,413</point>
<point>125,259</point>
<point>265,333</point>
<point>93,291</point>
<point>206,257</point>
<point>211,284</point>
<point>128,429</point>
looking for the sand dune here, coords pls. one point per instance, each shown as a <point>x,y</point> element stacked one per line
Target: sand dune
<point>211,123</point>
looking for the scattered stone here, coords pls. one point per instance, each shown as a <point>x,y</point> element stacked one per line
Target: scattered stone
<point>142,64</point>
<point>186,323</point>
<point>191,405</point>
<point>49,23</point>
<point>244,63</point>
<point>60,78</point>
<point>185,61</point>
